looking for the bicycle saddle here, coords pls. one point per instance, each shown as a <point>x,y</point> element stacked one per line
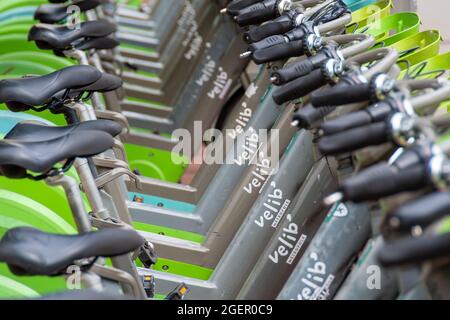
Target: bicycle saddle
<point>52,13</point>
<point>29,251</point>
<point>106,83</point>
<point>58,37</point>
<point>104,43</point>
<point>34,131</point>
<point>16,157</point>
<point>21,94</point>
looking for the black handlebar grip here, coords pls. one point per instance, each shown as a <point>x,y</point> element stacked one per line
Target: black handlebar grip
<point>278,26</point>
<point>267,43</point>
<point>375,113</point>
<point>308,115</point>
<point>383,180</point>
<point>299,87</point>
<point>278,52</point>
<point>296,70</point>
<point>422,212</point>
<point>341,94</point>
<point>354,139</point>
<point>257,13</point>
<point>235,6</point>
<point>415,250</point>
<point>346,122</point>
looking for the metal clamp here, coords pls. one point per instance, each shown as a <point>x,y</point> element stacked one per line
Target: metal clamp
<point>119,276</point>
<point>114,174</point>
<point>109,163</point>
<point>116,117</point>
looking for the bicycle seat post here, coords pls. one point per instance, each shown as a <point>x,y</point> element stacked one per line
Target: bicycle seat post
<point>74,198</point>
<point>100,211</point>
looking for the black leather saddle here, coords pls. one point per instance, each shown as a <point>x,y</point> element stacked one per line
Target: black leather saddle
<point>29,251</point>
<point>33,131</point>
<point>17,157</point>
<point>106,83</point>
<point>88,35</point>
<point>53,13</point>
<point>21,94</point>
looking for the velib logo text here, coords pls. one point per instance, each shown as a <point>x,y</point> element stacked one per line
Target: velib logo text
<point>251,147</point>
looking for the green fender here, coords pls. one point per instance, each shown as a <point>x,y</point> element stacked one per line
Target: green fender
<point>52,198</point>
<point>393,28</point>
<point>11,4</point>
<point>14,69</point>
<point>14,28</point>
<point>10,289</point>
<point>428,69</point>
<point>371,13</point>
<point>16,42</point>
<point>17,20</point>
<point>418,47</point>
<point>45,58</point>
<point>17,210</point>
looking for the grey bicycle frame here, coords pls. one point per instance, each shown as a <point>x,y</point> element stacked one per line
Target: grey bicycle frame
<point>268,266</point>
<point>290,238</point>
<point>214,64</point>
<point>124,268</point>
<point>219,190</point>
<point>251,238</point>
<point>260,120</point>
<point>141,137</point>
<point>143,211</point>
<point>325,263</point>
<point>286,167</point>
<point>165,17</point>
<point>184,49</point>
<point>368,280</point>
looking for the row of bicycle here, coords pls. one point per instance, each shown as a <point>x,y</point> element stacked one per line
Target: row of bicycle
<point>350,183</point>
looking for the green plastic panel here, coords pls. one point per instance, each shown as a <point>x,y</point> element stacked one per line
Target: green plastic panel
<point>369,14</point>
<point>393,28</point>
<point>418,47</point>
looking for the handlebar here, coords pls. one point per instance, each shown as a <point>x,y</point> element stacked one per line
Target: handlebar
<point>235,6</point>
<point>299,87</point>
<point>308,116</point>
<point>375,113</point>
<point>414,250</point>
<point>257,13</point>
<point>422,212</point>
<point>354,139</point>
<point>278,26</point>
